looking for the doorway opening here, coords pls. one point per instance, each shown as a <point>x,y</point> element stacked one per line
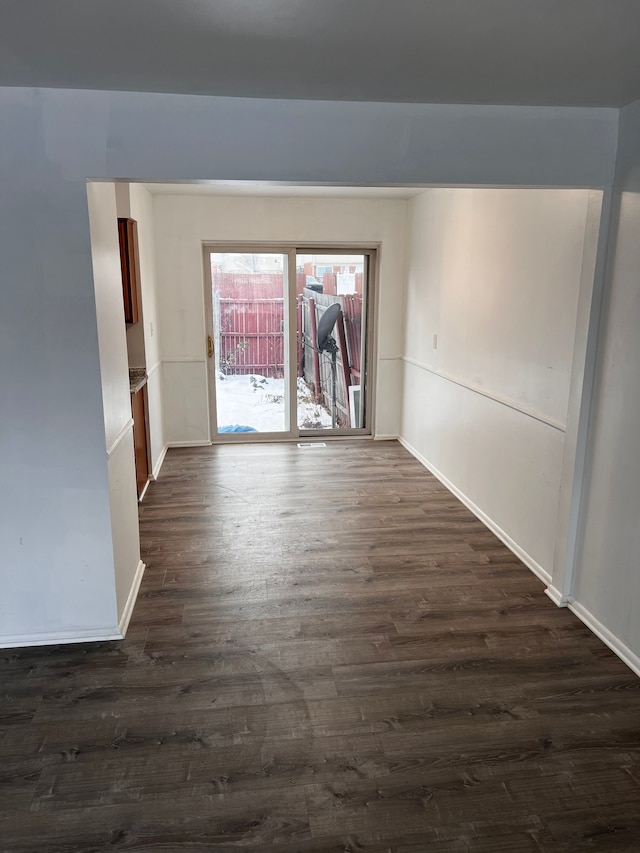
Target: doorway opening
<point>288,334</point>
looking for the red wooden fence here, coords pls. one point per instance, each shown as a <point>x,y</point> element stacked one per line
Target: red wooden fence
<point>352,311</point>
<point>347,333</point>
<point>251,336</point>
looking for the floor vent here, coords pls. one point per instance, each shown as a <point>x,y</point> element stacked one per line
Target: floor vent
<point>307,445</point>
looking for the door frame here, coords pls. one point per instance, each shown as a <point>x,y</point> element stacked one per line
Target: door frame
<point>369,340</point>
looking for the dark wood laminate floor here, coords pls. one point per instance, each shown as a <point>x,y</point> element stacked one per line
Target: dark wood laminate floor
<point>329,653</point>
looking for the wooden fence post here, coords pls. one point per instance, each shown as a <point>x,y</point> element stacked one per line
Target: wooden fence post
<point>314,343</point>
<point>344,358</point>
<point>299,337</point>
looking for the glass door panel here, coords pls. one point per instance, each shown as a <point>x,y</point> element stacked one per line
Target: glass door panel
<point>331,293</point>
<point>249,341</point>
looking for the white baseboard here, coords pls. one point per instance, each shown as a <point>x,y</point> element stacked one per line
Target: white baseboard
<point>156,471</point>
<point>616,645</point>
<point>386,437</point>
<point>558,598</point>
<point>198,443</point>
<point>131,600</point>
<point>54,638</point>
<point>94,635</point>
<point>520,553</point>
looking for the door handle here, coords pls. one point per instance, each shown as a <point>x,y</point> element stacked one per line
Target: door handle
<point>209,346</point>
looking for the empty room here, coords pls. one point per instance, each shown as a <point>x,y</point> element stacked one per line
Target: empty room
<point>319,417</point>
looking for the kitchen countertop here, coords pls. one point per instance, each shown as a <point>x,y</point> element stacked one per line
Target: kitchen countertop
<point>137,379</point>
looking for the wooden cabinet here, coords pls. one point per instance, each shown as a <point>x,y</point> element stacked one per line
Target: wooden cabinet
<point>130,266</point>
<point>140,439</point>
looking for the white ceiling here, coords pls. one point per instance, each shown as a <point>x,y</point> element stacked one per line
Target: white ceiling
<point>555,52</point>
<point>269,190</point>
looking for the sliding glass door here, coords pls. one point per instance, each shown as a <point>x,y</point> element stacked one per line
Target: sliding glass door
<point>287,341</point>
<point>331,337</point>
<point>248,342</point>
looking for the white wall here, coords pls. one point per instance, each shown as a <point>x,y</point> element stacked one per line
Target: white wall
<point>496,275</point>
<point>183,223</point>
<point>607,578</point>
<point>184,137</point>
<point>56,531</point>
<point>114,370</point>
<point>56,564</point>
<point>141,208</point>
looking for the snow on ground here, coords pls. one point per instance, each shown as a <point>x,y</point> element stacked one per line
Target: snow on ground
<point>258,402</point>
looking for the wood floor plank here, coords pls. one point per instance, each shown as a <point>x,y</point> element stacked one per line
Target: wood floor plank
<point>329,654</point>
